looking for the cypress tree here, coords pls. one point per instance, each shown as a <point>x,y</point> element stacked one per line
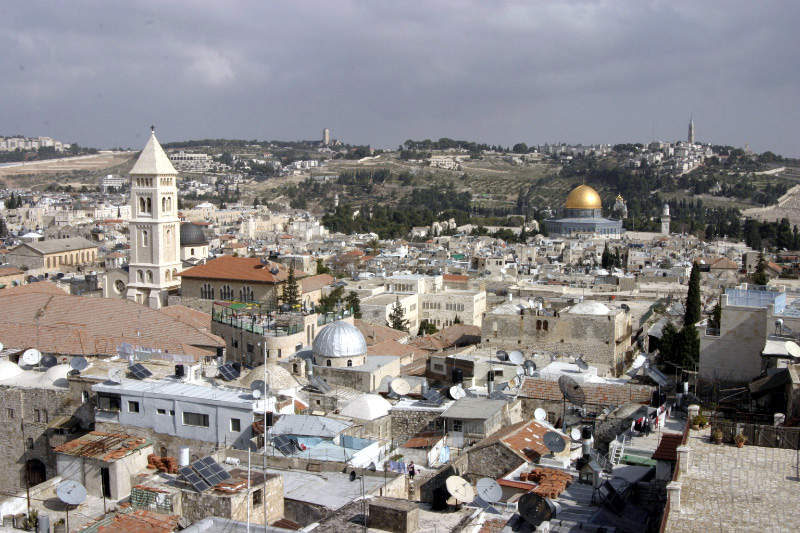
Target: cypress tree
<point>692,315</point>
<point>291,291</point>
<point>397,318</point>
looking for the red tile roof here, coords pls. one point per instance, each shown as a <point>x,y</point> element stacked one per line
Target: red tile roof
<point>667,448</point>
<point>313,283</point>
<point>515,484</point>
<point>10,271</point>
<point>249,269</point>
<point>140,521</point>
<point>455,277</point>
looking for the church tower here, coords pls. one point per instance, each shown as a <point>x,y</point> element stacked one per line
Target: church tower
<point>155,262</point>
<point>690,137</point>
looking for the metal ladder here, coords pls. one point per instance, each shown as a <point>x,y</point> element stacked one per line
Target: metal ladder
<point>617,448</point>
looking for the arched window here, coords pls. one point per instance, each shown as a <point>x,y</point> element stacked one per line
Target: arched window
<point>166,274</point>
<point>140,275</point>
<point>226,293</point>
<point>149,205</point>
<point>246,294</point>
<point>174,273</point>
<point>145,238</point>
<point>149,276</point>
<point>142,205</point>
<point>164,204</point>
<point>191,252</point>
<point>349,362</point>
<point>545,325</point>
<point>207,291</point>
<point>538,325</point>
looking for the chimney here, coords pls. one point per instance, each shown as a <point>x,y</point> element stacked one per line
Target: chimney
<point>490,382</point>
<point>674,495</point>
<point>684,457</point>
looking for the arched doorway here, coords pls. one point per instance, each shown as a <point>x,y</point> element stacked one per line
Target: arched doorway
<point>35,472</point>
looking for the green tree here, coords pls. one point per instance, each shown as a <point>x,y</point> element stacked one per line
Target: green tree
<point>716,316</point>
<point>520,148</point>
<point>397,317</point>
<point>321,268</point>
<point>689,347</point>
<point>759,277</point>
<point>692,315</point>
<point>607,258</point>
<point>668,343</point>
<point>3,228</point>
<point>457,320</point>
<point>427,328</point>
<point>354,303</point>
<point>291,291</point>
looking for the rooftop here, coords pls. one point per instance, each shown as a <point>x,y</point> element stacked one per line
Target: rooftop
<point>54,246</point>
<point>252,269</point>
<point>168,389</point>
<point>106,447</point>
<point>474,408</point>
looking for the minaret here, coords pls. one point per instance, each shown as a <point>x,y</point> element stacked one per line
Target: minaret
<point>691,131</point>
<point>155,262</point>
<point>665,218</point>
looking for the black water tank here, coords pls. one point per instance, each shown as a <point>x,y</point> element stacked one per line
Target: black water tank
<point>220,351</point>
<point>179,371</point>
<point>458,375</point>
<point>237,365</point>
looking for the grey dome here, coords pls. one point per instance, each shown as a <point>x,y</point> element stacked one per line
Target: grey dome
<point>339,339</point>
<point>192,234</point>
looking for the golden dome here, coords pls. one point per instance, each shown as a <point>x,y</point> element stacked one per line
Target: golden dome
<point>583,197</point>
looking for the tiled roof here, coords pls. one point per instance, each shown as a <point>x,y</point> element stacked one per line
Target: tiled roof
<point>390,347</point>
<point>375,333</point>
<point>107,447</point>
<point>313,283</point>
<point>423,440</point>
<point>80,325</point>
<point>515,484</point>
<point>139,521</point>
<point>596,393</point>
<point>455,277</point>
<point>187,315</point>
<point>10,271</point>
<point>666,450</point>
<point>228,267</point>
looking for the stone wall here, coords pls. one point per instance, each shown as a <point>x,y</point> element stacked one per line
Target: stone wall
<point>398,516</point>
<point>492,461</point>
<point>407,422</point>
<point>545,393</point>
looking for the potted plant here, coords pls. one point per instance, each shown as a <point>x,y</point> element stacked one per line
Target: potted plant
<point>740,440</point>
<point>716,436</point>
<point>699,421</point>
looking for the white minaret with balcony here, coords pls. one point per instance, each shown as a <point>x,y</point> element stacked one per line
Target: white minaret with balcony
<point>155,261</point>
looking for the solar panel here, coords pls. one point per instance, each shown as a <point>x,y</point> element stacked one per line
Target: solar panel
<point>139,371</point>
<point>191,477</point>
<point>228,372</point>
<point>320,384</point>
<point>433,396</point>
<point>284,444</point>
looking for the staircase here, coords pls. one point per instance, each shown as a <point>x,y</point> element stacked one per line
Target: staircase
<point>617,448</point>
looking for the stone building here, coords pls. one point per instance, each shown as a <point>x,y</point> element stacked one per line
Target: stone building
<point>194,243</point>
<point>53,255</point>
<point>602,335</point>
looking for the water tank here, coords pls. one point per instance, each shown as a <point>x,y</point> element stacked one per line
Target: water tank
<point>458,375</point>
<point>183,456</point>
<point>179,371</point>
<point>220,352</point>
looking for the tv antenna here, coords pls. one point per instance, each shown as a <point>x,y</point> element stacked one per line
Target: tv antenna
<point>1,346</point>
<point>575,434</point>
<point>71,493</point>
<point>31,357</point>
<point>529,366</point>
<point>571,391</point>
<point>502,355</point>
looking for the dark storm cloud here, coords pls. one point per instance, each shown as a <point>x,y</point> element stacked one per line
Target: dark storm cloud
<point>381,72</point>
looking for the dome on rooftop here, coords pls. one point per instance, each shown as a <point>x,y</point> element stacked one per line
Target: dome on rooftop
<point>367,407</point>
<point>192,234</point>
<point>339,339</point>
<point>583,197</point>
<point>589,308</point>
<point>9,370</point>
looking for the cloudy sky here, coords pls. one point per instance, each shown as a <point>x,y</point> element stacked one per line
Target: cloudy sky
<point>380,72</point>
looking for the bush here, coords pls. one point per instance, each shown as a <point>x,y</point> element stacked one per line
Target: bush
<point>700,420</point>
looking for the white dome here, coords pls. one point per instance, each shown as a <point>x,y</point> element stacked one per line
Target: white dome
<point>589,308</point>
<point>339,339</point>
<point>367,407</point>
<point>56,376</point>
<point>278,378</point>
<point>9,370</point>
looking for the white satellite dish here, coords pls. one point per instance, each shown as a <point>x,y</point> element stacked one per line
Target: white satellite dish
<point>489,490</point>
<point>31,357</point>
<point>71,492</point>
<point>581,364</point>
<point>516,357</point>
<point>115,375</point>
<point>256,393</point>
<point>793,349</point>
<point>460,489</point>
<point>211,371</point>
<point>78,363</point>
<point>575,434</point>
<point>456,392</point>
<point>520,371</point>
<point>1,346</point>
<point>400,386</point>
<point>540,414</point>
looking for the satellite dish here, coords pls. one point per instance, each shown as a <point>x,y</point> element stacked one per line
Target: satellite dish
<point>571,390</point>
<point>535,509</point>
<point>581,364</point>
<point>554,442</point>
<point>793,349</point>
<point>516,357</point>
<point>456,392</point>
<point>78,363</point>
<point>520,371</point>
<point>257,385</point>
<point>256,393</point>
<point>489,490</point>
<point>502,355</point>
<point>575,434</point>
<point>115,375</point>
<point>31,357</point>
<point>211,371</point>
<point>49,361</point>
<point>400,386</point>
<point>460,489</point>
<point>1,346</point>
<point>71,492</point>
<point>540,414</point>
<point>530,367</point>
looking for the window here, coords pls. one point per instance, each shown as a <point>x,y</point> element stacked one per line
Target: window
<point>226,293</point>
<point>236,425</point>
<point>161,411</point>
<point>10,413</point>
<point>145,238</point>
<point>171,413</point>
<point>349,362</point>
<point>108,402</point>
<point>328,362</point>
<point>140,275</point>
<point>207,291</point>
<point>195,419</point>
<point>44,416</point>
<point>30,443</point>
<point>458,425</point>
<point>133,407</point>
<point>250,348</point>
<point>246,294</point>
<point>37,415</point>
<point>149,276</point>
<point>257,497</point>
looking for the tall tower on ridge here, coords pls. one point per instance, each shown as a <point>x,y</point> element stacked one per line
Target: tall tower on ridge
<point>691,131</point>
<point>326,137</point>
<point>665,218</point>
<point>155,261</point>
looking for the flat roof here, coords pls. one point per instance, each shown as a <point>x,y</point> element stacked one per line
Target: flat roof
<point>329,489</point>
<point>168,389</point>
<point>474,408</point>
